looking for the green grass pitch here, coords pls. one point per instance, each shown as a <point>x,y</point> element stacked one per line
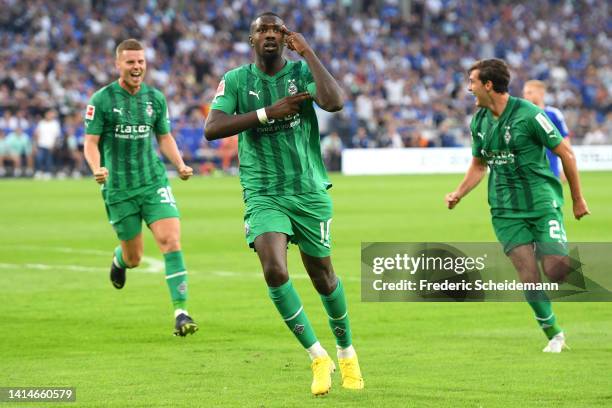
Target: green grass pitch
<point>63,324</point>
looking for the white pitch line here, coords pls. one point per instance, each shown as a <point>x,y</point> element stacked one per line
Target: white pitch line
<point>148,265</point>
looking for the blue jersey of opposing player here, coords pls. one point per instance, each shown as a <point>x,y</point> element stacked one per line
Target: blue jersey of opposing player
<point>556,117</point>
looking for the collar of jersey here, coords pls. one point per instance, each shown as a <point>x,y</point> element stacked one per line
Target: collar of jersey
<point>505,113</point>
<point>142,86</point>
<point>267,77</point>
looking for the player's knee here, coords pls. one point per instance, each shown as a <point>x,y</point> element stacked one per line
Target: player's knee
<point>326,285</point>
<point>132,260</point>
<point>557,270</point>
<point>275,273</point>
<point>169,243</point>
<point>324,280</point>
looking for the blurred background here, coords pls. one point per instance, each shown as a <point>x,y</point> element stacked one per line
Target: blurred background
<point>402,64</point>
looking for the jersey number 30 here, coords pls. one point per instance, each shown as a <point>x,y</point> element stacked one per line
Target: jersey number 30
<point>166,196</point>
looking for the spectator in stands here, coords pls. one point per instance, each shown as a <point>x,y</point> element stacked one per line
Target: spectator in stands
<point>331,149</point>
<point>228,152</point>
<point>6,120</point>
<point>69,158</point>
<point>47,136</point>
<point>3,153</point>
<point>19,151</point>
<point>208,156</point>
<point>596,136</point>
<point>59,57</point>
<point>362,140</point>
<point>389,136</point>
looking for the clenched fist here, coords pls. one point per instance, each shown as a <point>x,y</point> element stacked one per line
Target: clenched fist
<point>184,172</point>
<point>101,174</point>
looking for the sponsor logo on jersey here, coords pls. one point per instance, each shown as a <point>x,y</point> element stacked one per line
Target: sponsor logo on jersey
<point>220,90</point>
<point>90,112</point>
<point>544,123</point>
<point>498,157</point>
<point>149,110</point>
<point>132,131</point>
<point>292,88</point>
<point>288,122</point>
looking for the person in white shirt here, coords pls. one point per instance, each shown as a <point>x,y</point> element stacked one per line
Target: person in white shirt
<point>47,135</point>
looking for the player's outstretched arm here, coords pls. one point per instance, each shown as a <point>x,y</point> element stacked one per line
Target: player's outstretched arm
<point>566,154</point>
<point>92,156</point>
<point>329,94</point>
<point>168,147</point>
<point>474,174</point>
<point>220,124</point>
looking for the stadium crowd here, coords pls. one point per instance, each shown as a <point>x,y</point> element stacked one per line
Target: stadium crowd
<point>401,63</point>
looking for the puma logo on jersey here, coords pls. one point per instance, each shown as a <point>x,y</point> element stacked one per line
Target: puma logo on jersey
<point>119,111</point>
<point>480,135</point>
<point>254,93</point>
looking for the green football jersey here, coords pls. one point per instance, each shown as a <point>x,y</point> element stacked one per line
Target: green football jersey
<point>521,183</point>
<point>126,124</point>
<point>282,157</point>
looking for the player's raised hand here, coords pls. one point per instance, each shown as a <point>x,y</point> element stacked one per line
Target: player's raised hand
<point>452,199</point>
<point>184,172</point>
<point>580,208</point>
<point>289,105</point>
<point>295,41</point>
<point>101,174</point>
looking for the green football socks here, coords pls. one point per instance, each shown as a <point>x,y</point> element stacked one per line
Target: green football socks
<point>119,258</point>
<point>542,307</point>
<point>289,305</point>
<point>335,305</point>
<point>176,278</point>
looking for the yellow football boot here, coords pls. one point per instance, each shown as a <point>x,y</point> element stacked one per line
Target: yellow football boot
<point>322,368</point>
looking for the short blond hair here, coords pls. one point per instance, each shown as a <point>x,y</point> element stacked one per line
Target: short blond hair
<point>536,83</point>
<point>130,44</point>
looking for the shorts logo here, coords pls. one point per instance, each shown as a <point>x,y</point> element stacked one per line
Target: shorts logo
<point>90,112</point>
<point>339,331</point>
<point>247,228</point>
<point>298,329</point>
<point>292,87</point>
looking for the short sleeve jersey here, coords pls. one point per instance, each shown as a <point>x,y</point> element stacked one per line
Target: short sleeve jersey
<point>520,181</point>
<point>282,157</point>
<point>126,125</point>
